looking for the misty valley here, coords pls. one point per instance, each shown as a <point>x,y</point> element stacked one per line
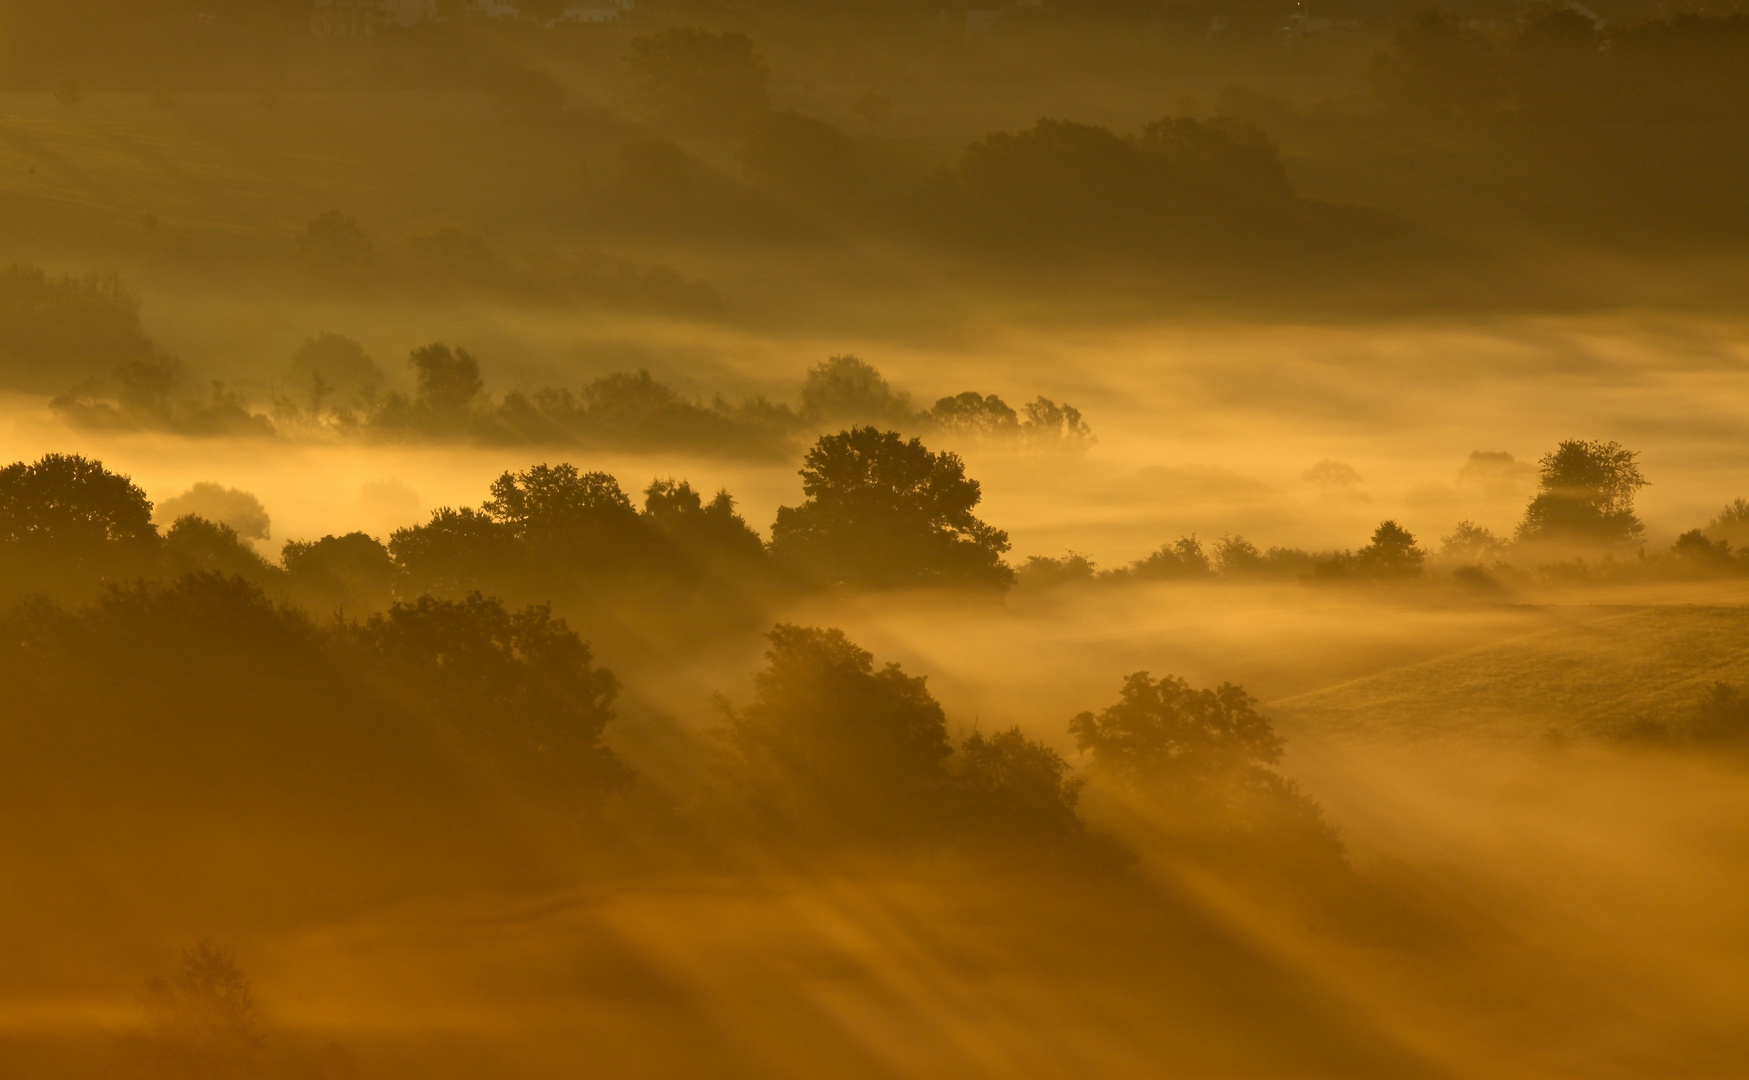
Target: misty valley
<point>775,538</point>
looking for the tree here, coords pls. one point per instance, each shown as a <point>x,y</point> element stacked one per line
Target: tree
<point>332,243</point>
<point>1049,426</point>
<point>234,507</point>
<point>564,514</point>
<point>195,545</point>
<point>456,552</point>
<point>1470,543</point>
<point>204,1020</point>
<point>1391,553</point>
<point>519,685</point>
<point>844,389</point>
<point>352,570</point>
<point>1587,497</point>
<point>884,511</point>
<point>1163,736</point>
<point>68,503</point>
<point>66,523</point>
<point>708,536</point>
<point>975,415</point>
<point>1183,558</point>
<point>447,384</point>
<point>831,741</point>
<point>1065,189</point>
<point>801,158</point>
<point>1205,761</point>
<point>1010,784</point>
<point>329,367</point>
<point>694,78</point>
<point>1732,524</point>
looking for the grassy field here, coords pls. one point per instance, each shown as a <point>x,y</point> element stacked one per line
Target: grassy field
<point>1610,665</point>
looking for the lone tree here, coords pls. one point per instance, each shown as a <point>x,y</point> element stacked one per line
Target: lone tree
<point>1205,761</point>
<point>1587,497</point>
<point>884,511</point>
<point>1391,553</point>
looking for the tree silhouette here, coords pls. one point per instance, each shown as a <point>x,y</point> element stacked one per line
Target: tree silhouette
<point>447,385</point>
<point>332,243</point>
<point>65,501</point>
<point>844,389</point>
<point>194,545</point>
<point>830,739</point>
<point>66,522</point>
<point>801,158</point>
<point>204,1020</point>
<point>1008,783</point>
<point>1587,497</point>
<point>456,552</point>
<point>1391,553</point>
<point>707,536</point>
<point>519,685</point>
<point>1205,760</point>
<point>882,511</point>
<point>578,519</point>
<point>330,368</point>
<point>354,570</point>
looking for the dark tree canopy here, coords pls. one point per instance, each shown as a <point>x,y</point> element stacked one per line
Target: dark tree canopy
<point>332,243</point>
<point>801,158</point>
<point>845,389</point>
<point>1062,186</point>
<point>330,370</point>
<point>1391,553</point>
<point>194,545</point>
<point>447,384</point>
<point>711,535</point>
<point>885,511</point>
<point>68,502</point>
<point>828,734</point>
<point>1012,784</point>
<point>325,573</point>
<point>519,684</point>
<point>1587,497</point>
<point>1161,733</point>
<point>456,552</point>
<point>1205,761</point>
<point>562,512</point>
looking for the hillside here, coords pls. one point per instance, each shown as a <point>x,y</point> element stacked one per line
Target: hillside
<point>1582,677</point>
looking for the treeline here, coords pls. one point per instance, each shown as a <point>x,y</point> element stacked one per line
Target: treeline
<point>880,511</point>
<point>1579,526</point>
<point>71,326</point>
<point>450,263</point>
<point>1561,63</point>
<point>333,389</point>
<point>439,723</point>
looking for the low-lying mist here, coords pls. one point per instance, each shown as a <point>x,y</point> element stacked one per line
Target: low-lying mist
<point>776,539</point>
